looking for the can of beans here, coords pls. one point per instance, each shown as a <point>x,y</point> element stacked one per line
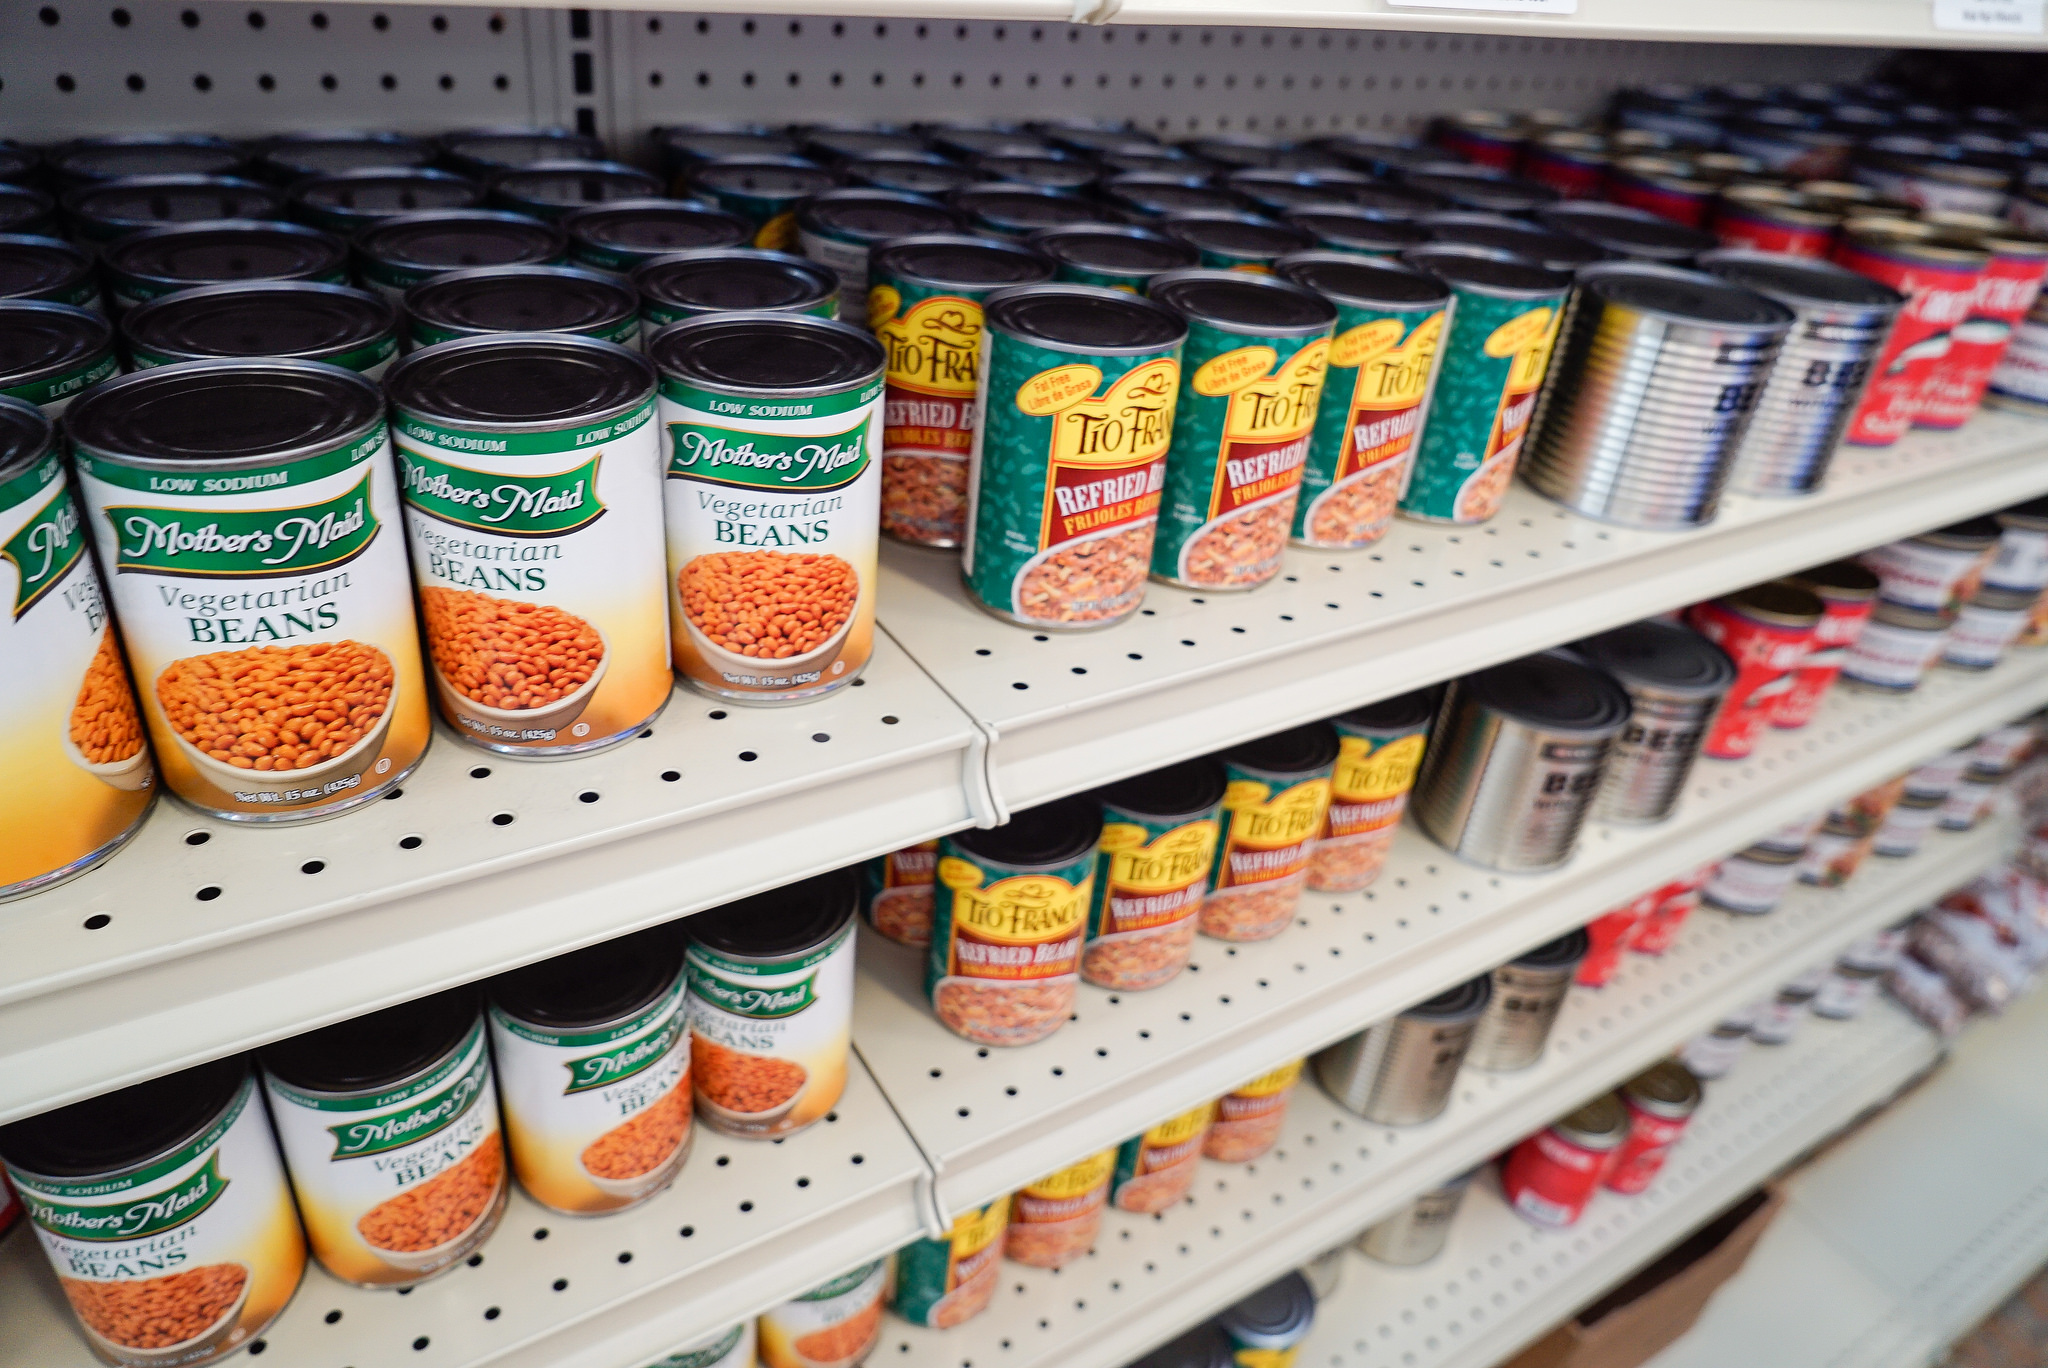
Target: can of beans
<point>350,201</point>
<point>680,147</point>
<point>1154,1170</point>
<point>1400,1072</point>
<point>1752,882</point>
<point>55,352</point>
<point>624,233</point>
<point>165,1214</point>
<point>2020,383</point>
<point>1266,1329</point>
<point>409,1092</point>
<point>26,211</point>
<point>1939,281</point>
<point>912,173</point>
<point>1379,750</point>
<point>834,1325</point>
<point>1570,162</point>
<point>765,191</point>
<point>484,152</point>
<point>1159,836</point>
<point>1359,232</point>
<point>2021,561</point>
<point>1504,318</point>
<point>508,299</point>
<point>1938,571</point>
<point>1250,387</point>
<point>258,572</point>
<point>1275,805</point>
<point>157,261</point>
<point>1418,1232</point>
<point>1276,190</point>
<point>345,327</point>
<point>2002,749</point>
<point>1249,1118</point>
<point>1550,1177</point>
<point>48,269</point>
<point>530,469</point>
<point>839,229</point>
<point>1929,175</point>
<point>924,300</point>
<point>1767,630</point>
<point>123,155</point>
<point>1077,394</point>
<point>1955,383</point>
<point>1676,680</point>
<point>731,280</point>
<point>897,893</point>
<point>1112,255</point>
<point>1776,1019</point>
<point>1769,218</point>
<point>1665,186</point>
<point>994,209</point>
<point>1622,232</point>
<point>288,157</point>
<point>1376,391</point>
<point>1907,825</point>
<point>394,254</point>
<point>107,210</point>
<point>773,497</point>
<point>1009,913</point>
<point>1055,1220</point>
<point>1226,241</point>
<point>1985,627</point>
<point>1528,993</point>
<point>1660,1101</point>
<point>1554,250</point>
<point>551,190</point>
<point>1848,595</point>
<point>731,1348</point>
<point>593,1056</point>
<point>1148,196</point>
<point>943,1283</point>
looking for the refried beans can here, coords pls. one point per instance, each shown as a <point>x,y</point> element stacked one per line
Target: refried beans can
<point>1251,386</point>
<point>1660,1101</point>
<point>593,1058</point>
<point>1055,1220</point>
<point>302,320</point>
<point>394,254</point>
<point>765,191</point>
<point>1113,255</point>
<point>834,1325</point>
<point>1767,630</point>
<point>75,774</point>
<point>1939,281</point>
<point>1249,1118</point>
<point>897,893</point>
<point>529,466</point>
<point>731,280</point>
<point>1848,595</point>
<point>924,297</point>
<point>506,299</point>
<point>1154,1170</point>
<point>840,229</point>
<point>773,493</point>
<point>771,1006</point>
<point>942,1283</point>
<point>1956,382</point>
<point>56,352</point>
<point>1274,808</point>
<point>1076,400</point>
<point>1008,918</point>
<point>389,1128</point>
<point>1159,835</point>
<point>1379,750</point>
<point>165,1213</point>
<point>1503,322</point>
<point>1550,1177</point>
<point>1382,363</point>
<point>260,578</point>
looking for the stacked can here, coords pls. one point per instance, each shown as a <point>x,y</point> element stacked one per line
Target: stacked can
<point>1528,993</point>
<point>1770,218</point>
<point>1660,1101</point>
<point>1675,901</point>
<point>1400,1072</point>
<point>1848,595</point>
<point>1418,1232</point>
<point>2020,381</point>
<point>1955,383</point>
<point>1550,1177</point>
<point>1675,679</point>
<point>1939,281</point>
<point>1767,629</point>
<point>1379,750</point>
<point>1926,583</point>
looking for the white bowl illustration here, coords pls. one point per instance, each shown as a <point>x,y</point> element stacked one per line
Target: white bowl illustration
<point>127,775</point>
<point>556,717</point>
<point>184,1351</point>
<point>348,764</point>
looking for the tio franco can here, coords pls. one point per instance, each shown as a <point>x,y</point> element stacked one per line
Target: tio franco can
<point>942,1283</point>
<point>1249,1118</point>
<point>257,569</point>
<point>1550,1177</point>
<point>1275,805</point>
<point>1379,750</point>
<point>840,229</point>
<point>1055,1220</point>
<point>896,897</point>
<point>773,496</point>
<point>1155,1170</point>
<point>1114,256</point>
<point>1159,834</point>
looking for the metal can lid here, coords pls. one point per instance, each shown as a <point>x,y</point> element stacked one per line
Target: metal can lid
<point>170,416</point>
<point>1157,193</point>
<point>1205,1346</point>
<point>916,173</point>
<point>1667,1089</point>
<point>1601,1124</point>
<point>1909,619</point>
<point>357,197</point>
<point>1489,271</point>
<point>142,201</point>
<point>1802,281</point>
<point>1161,158</point>
<point>1240,302</point>
<point>298,318</point>
<point>2031,516</point>
<point>1769,854</point>
<point>18,161</point>
<point>1083,136</point>
<point>786,355</point>
<point>851,144</point>
<point>124,1129</point>
<point>1020,208</point>
<point>1174,793</point>
<point>781,923</point>
<point>36,265</point>
<point>1245,236</point>
<point>1662,658</point>
<point>689,143</point>
<point>1780,204</point>
<point>1912,242</point>
<point>1280,189</point>
<point>1114,248</point>
<point>456,239</point>
<point>26,432</point>
<point>1404,713</point>
<point>872,216</point>
<point>521,299</point>
<point>1686,297</point>
<point>1553,693</point>
<point>40,339</point>
<point>1629,232</point>
<point>1057,171</point>
<point>783,180</point>
<point>23,209</point>
<point>1354,229</point>
<point>958,261</point>
<point>1971,534</point>
<point>1362,282</point>
<point>146,154</point>
<point>1466,1002</point>
<point>478,152</point>
<point>1048,836</point>
<point>1779,602</point>
<point>600,985</point>
<point>290,156</point>
<point>1084,318</point>
<point>1472,187</point>
<point>1565,951</point>
<point>1275,1317</point>
<point>1237,149</point>
<point>225,250</point>
<point>377,1050</point>
<point>552,188</point>
<point>1996,600</point>
<point>734,278</point>
<point>1557,251</point>
<point>1839,581</point>
<point>515,381</point>
<point>1290,756</point>
<point>972,140</point>
<point>1393,201</point>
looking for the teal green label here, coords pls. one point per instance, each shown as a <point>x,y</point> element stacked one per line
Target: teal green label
<point>136,1218</point>
<point>760,1002</point>
<point>841,1285</point>
<point>625,334</point>
<point>712,1355</point>
<point>1128,282</point>
<point>615,1065</point>
<point>132,290</point>
<point>47,546</point>
<point>291,474</point>
<point>656,315</point>
<point>432,1113</point>
<point>1375,400</point>
<point>243,543</point>
<point>54,389</point>
<point>367,357</point>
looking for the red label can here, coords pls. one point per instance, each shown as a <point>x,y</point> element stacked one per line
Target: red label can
<point>1608,935</point>
<point>1573,164</point>
<point>1848,595</point>
<point>1661,187</point>
<point>1767,629</point>
<point>1940,285</point>
<point>2005,292</point>
<point>1660,1101</point>
<point>1549,1177</point>
<point>1768,218</point>
<point>1483,136</point>
<point>1675,902</point>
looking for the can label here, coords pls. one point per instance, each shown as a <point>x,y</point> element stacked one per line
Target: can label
<point>1262,864</point>
<point>625,334</point>
<point>1931,193</point>
<point>1069,463</point>
<point>183,1260</point>
<point>1939,295</point>
<point>1905,828</point>
<point>1248,1121</point>
<point>1956,382</point>
<point>1150,877</point>
<point>769,1040</point>
<point>1642,1155</point>
<point>655,315</point>
<point>1934,579</point>
<point>77,774</point>
<point>1549,1180</point>
<point>1978,638</point>
<point>734,1348</point>
<point>396,1185</point>
<point>1069,273</point>
<point>2022,372</point>
<point>934,344</point>
<point>941,1283</point>
<point>1055,1220</point>
<point>1368,793</point>
<point>1893,659</point>
<point>848,261</point>
<point>1740,884</point>
<point>597,1120</point>
<point>1375,398</point>
<point>2020,561</point>
<point>536,555</point>
<point>831,1326</point>
<point>1240,439</point>
<point>1659,931</point>
<point>268,591</point>
<point>1572,177</point>
<point>54,393</point>
<point>1765,655</point>
<point>1664,199</point>
<point>899,893</point>
<point>1494,358</point>
<point>1006,947</point>
<point>1762,233</point>
<point>1156,1169</point>
<point>1841,623</point>
<point>1607,936</point>
<point>371,359</point>
<point>771,504</point>
<point>1967,804</point>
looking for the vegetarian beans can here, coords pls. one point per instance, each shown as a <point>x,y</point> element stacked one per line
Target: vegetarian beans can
<point>943,1283</point>
<point>1358,231</point>
<point>1008,919</point>
<point>55,352</point>
<point>1159,835</point>
<point>736,1347</point>
<point>593,1057</point>
<point>923,299</point>
<point>1382,363</point>
<point>157,261</point>
<point>507,299</point>
<point>1077,394</point>
<point>896,893</point>
<point>1504,318</point>
<point>1249,1118</point>
<point>1251,386</point>
<point>773,497</point>
<point>771,1006</point>
<point>394,254</point>
<point>834,1325</point>
<point>731,280</point>
<point>1114,256</point>
<point>1379,750</point>
<point>840,229</point>
<point>49,269</point>
<point>350,201</point>
<point>1275,804</point>
<point>75,773</point>
<point>389,1127</point>
<point>1154,1170</point>
<point>1055,1220</point>
<point>260,581</point>
<point>1550,1177</point>
<point>623,234</point>
<point>165,1213</point>
<point>530,468</point>
<point>296,319</point>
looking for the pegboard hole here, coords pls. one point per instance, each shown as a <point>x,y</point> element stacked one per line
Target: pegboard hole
<point>312,866</point>
<point>97,921</point>
<point>208,893</point>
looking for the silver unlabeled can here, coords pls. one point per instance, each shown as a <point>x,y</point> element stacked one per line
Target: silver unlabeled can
<point>1417,1233</point>
<point>1528,993</point>
<point>1676,680</point>
<point>1400,1072</point>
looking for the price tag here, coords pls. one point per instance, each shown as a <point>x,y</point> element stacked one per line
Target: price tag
<point>1530,6</point>
<point>1979,16</point>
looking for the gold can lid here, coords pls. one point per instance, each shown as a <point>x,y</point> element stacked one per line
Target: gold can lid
<point>1918,242</point>
<point>1601,1124</point>
<point>1667,1088</point>
<point>1839,582</point>
<point>1780,602</point>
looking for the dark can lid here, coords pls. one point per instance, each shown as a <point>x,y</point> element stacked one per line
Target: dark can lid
<point>966,142</point>
<point>1841,580</point>
<point>872,216</point>
<point>1276,1317</point>
<point>1663,658</point>
<point>1246,237</point>
<point>956,261</point>
<point>781,923</point>
<point>780,180</point>
<point>1408,712</point>
<point>293,156</point>
<point>595,986</point>
<point>479,152</point>
<point>914,173</point>
<point>687,144</point>
<point>1474,188</point>
<point>1633,233</point>
<point>1020,209</point>
<point>551,189</point>
<point>1114,249</point>
<point>641,229</point>
<point>1567,949</point>
<point>1044,837</point>
<point>224,414</point>
<point>1557,251</point>
<point>110,208</point>
<point>1667,1089</point>
<point>1184,792</point>
<point>352,199</point>
<point>1278,188</point>
<point>1489,271</point>
<point>40,339</point>
<point>41,267</point>
<point>374,1051</point>
<point>127,1128</point>
<point>26,433</point>
<point>1056,171</point>
<point>1288,756</point>
<point>494,299</point>
<point>460,239</point>
<point>145,154</point>
<point>1170,160</point>
<point>1462,1003</point>
<point>225,250</point>
<point>1970,534</point>
<point>781,354</point>
<point>520,380</point>
<point>297,318</point>
<point>1358,230</point>
<point>1797,281</point>
<point>2031,515</point>
<point>1779,601</point>
<point>1237,301</point>
<point>1205,1346</point>
<point>23,210</point>
<point>1362,282</point>
<point>1394,201</point>
<point>18,161</point>
<point>1092,138</point>
<point>1685,297</point>
<point>734,278</point>
<point>1601,1124</point>
<point>851,144</point>
<point>1237,150</point>
<point>1084,318</point>
<point>1553,693</point>
<point>1156,193</point>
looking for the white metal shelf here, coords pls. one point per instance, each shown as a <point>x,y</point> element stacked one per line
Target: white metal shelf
<point>993,1119</point>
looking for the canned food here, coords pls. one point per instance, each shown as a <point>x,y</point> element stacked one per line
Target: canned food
<point>1555,251</point>
<point>593,1057</point>
<point>995,209</point>
<point>1956,381</point>
<point>1550,1177</point>
<point>1711,1056</point>
<point>1895,649</point>
<point>1940,775</point>
<point>1767,630</point>
<point>1359,232</point>
<point>680,147</point>
<point>157,261</point>
<point>1273,190</point>
<point>353,329</point>
<point>984,140</point>
<point>52,353</point>
<point>786,405</point>
<point>550,190</point>
<point>830,146</point>
<point>1571,162</point>
<point>1145,196</point>
<point>943,1283</point>
<point>1777,1018</point>
<point>771,1006</point>
<point>839,229</point>
<point>1660,1101</point>
<point>1202,1347</point>
<point>1048,169</point>
<point>1770,218</point>
<point>714,280</point>
<point>409,1089</point>
<point>351,201</point>
<point>1379,750</point>
<point>110,209</point>
<point>1633,234</point>
<point>1159,837</point>
<point>483,152</point>
<point>1055,1220</point>
<point>1847,992</point>
<point>1848,595</point>
<point>1939,282</point>
<point>1609,935</point>
<point>1790,142</point>
<point>2021,561</point>
<point>1249,1118</point>
<point>1938,571</point>
<point>289,157</point>
<point>1907,825</point>
<point>1239,149</point>
<point>731,1348</point>
<point>1077,400</point>
<point>1834,853</point>
<point>523,299</point>
<point>1276,803</point>
<point>1658,931</point>
<point>913,173</point>
<point>1937,181</point>
<point>1528,993</point>
<point>1010,910</point>
<point>1400,1072</point>
<point>834,1325</point>
<point>1515,760</point>
<point>1155,1170</point>
<point>1235,242</point>
<point>1266,1328</point>
<point>165,1214</point>
<point>124,156</point>
<point>1668,187</point>
<point>1675,680</point>
<point>1969,802</point>
<point>26,211</point>
<point>625,233</point>
<point>924,301</point>
<point>897,897</point>
<point>1114,256</point>
<point>1484,137</point>
<point>2020,381</point>
<point>1985,627</point>
<point>1880,950</point>
<point>1847,197</point>
<point>1472,187</point>
<point>394,254</point>
<point>225,544</point>
<point>1999,751</point>
<point>765,191</point>
<point>1417,1232</point>
<point>1504,318</point>
<point>1092,139</point>
<point>49,270</point>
